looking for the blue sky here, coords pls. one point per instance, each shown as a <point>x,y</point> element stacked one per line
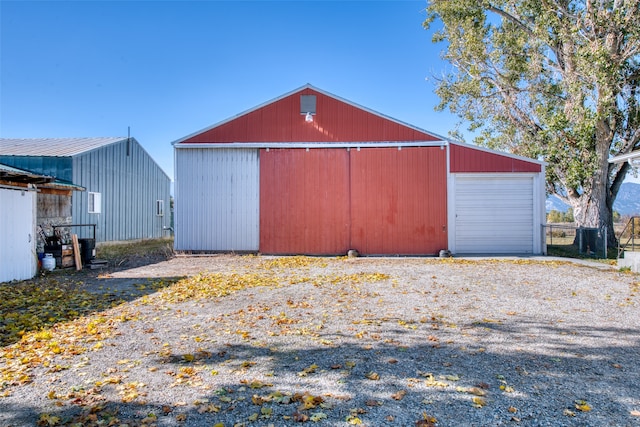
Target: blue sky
<point>170,68</point>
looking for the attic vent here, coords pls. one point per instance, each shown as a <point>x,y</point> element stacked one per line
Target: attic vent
<point>307,104</point>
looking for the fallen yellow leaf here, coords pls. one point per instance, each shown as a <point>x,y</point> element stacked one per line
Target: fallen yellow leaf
<point>478,402</point>
<point>373,376</point>
<point>583,406</point>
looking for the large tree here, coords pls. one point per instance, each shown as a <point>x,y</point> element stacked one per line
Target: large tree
<point>549,79</point>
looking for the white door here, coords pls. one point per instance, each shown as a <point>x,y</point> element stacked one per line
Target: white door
<point>494,214</point>
<point>18,259</point>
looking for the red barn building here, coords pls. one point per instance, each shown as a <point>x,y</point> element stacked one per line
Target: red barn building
<point>311,173</point>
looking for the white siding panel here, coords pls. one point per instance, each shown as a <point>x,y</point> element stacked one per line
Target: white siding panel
<point>18,260</point>
<point>494,214</point>
<point>217,200</point>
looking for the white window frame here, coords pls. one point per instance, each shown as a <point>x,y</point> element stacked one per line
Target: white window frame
<point>159,207</point>
<point>94,203</point>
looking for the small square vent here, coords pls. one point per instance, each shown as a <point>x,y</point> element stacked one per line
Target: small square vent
<point>307,104</point>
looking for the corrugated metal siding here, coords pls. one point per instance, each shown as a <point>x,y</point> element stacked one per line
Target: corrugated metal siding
<point>217,200</point>
<point>129,186</point>
<point>494,214</point>
<point>18,260</point>
<point>466,159</point>
<point>398,200</point>
<point>304,201</point>
<point>376,200</point>
<point>59,167</point>
<point>334,121</point>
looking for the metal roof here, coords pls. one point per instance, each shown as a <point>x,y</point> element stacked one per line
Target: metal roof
<point>62,185</point>
<point>53,147</point>
<point>629,157</point>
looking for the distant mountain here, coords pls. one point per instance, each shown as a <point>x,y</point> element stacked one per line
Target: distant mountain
<point>553,203</point>
<point>627,202</point>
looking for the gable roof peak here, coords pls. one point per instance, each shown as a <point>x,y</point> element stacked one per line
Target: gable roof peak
<point>428,136</point>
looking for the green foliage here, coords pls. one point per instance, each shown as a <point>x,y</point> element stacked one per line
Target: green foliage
<point>568,215</point>
<point>555,216</point>
<point>555,80</point>
<point>616,216</point>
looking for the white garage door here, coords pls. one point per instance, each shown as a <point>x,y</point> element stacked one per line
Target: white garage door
<point>494,214</point>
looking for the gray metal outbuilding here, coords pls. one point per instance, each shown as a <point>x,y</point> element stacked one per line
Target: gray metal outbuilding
<point>127,194</point>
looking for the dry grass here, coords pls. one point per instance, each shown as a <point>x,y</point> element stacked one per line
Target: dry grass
<point>118,253</point>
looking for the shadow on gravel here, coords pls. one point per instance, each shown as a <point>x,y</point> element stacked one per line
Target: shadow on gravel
<point>387,384</point>
<point>63,296</point>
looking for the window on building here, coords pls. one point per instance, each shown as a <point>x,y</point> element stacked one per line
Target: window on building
<point>159,207</point>
<point>308,104</point>
<point>95,203</point>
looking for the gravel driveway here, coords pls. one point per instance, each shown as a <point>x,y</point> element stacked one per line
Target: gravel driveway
<point>260,341</point>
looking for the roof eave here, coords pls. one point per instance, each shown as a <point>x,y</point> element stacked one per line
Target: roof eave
<point>276,145</point>
<point>500,153</point>
<point>625,157</point>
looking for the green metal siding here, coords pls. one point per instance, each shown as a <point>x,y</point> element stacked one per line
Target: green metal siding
<point>60,167</point>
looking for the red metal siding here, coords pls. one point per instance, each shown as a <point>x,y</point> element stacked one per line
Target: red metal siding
<point>399,200</point>
<point>304,201</point>
<point>334,121</point>
<point>376,200</point>
<point>467,159</point>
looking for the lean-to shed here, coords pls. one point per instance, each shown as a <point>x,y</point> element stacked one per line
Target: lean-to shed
<point>18,260</point>
<point>26,200</point>
<point>312,173</point>
<point>127,193</point>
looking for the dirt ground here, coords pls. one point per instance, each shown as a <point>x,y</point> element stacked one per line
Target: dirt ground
<point>268,341</point>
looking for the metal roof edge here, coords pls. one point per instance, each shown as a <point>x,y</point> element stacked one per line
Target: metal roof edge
<point>374,112</point>
<point>116,141</point>
<point>301,88</point>
<point>120,141</point>
<point>257,107</point>
<point>151,157</point>
<point>63,185</point>
<point>499,153</point>
<point>625,157</point>
<point>360,144</point>
<point>108,140</point>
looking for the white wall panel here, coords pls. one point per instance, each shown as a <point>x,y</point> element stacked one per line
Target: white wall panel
<point>217,199</point>
<point>18,260</point>
<point>495,214</point>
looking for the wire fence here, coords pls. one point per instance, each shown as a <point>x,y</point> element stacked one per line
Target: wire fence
<point>571,240</point>
<point>629,237</point>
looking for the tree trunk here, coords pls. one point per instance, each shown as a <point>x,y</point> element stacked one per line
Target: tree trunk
<point>594,208</point>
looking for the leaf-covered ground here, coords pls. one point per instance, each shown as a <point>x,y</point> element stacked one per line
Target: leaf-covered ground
<point>259,341</point>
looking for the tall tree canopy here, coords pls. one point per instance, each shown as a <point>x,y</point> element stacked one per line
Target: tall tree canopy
<point>550,79</point>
